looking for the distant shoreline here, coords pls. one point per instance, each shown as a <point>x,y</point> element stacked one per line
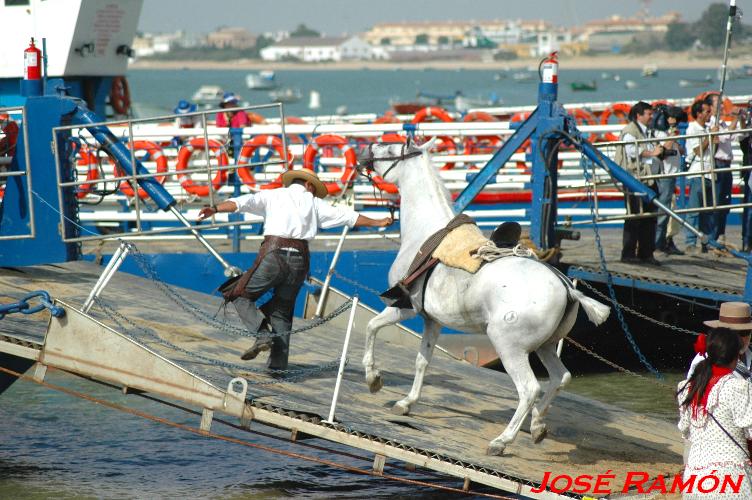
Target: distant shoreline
<point>664,60</point>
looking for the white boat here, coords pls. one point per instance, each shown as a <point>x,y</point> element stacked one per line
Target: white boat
<point>314,100</point>
<point>650,70</point>
<point>631,84</point>
<point>700,82</point>
<point>263,80</point>
<point>208,95</point>
<point>286,94</point>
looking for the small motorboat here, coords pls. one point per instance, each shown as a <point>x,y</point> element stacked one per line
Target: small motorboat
<point>523,77</point>
<point>650,70</point>
<point>580,86</point>
<point>263,80</point>
<point>631,84</point>
<point>699,82</point>
<point>286,94</point>
<point>208,95</point>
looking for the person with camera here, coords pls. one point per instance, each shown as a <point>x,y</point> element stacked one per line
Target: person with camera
<point>640,159</point>
<point>665,121</point>
<point>700,158</point>
<point>745,143</point>
<point>723,158</point>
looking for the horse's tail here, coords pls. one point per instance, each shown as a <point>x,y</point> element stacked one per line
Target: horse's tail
<point>595,311</point>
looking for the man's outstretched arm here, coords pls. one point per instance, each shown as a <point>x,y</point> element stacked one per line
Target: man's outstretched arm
<point>227,206</point>
<point>364,221</point>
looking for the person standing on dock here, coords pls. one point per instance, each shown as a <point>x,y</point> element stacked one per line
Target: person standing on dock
<point>699,150</point>
<point>638,241</point>
<point>715,416</point>
<point>723,157</point>
<point>237,118</point>
<point>292,216</point>
<point>670,165</point>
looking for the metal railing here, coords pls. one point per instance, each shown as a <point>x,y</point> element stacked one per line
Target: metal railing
<point>130,136</point>
<point>26,172</point>
<point>707,172</point>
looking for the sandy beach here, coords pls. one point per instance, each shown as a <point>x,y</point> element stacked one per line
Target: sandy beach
<point>664,60</point>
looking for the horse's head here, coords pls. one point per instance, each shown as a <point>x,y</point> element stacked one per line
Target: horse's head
<point>386,159</point>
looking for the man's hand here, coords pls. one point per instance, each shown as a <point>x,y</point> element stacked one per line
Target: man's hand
<point>206,212</point>
<point>385,222</point>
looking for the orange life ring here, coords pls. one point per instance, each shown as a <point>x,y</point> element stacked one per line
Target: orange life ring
<point>727,107</point>
<point>184,156</point>
<point>271,142</point>
<point>621,111</point>
<point>88,159</point>
<point>156,154</point>
<point>518,117</point>
<point>328,142</point>
<point>120,95</point>
<point>426,114</point>
<point>387,117</point>
<point>482,144</point>
<point>379,181</point>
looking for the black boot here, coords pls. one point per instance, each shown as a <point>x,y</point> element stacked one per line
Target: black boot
<point>670,248</point>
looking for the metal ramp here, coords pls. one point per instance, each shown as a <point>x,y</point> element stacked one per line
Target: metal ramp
<point>462,408</point>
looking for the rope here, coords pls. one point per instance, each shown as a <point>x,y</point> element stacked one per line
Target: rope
<point>639,314</point>
<point>270,449</point>
<point>618,367</point>
<point>490,252</point>
<point>609,279</point>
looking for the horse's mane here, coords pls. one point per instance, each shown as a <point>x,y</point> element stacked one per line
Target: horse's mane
<point>434,177</point>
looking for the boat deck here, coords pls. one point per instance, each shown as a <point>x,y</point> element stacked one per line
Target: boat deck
<point>461,410</point>
<point>705,276</point>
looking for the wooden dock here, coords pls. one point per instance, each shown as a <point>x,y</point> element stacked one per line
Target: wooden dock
<point>699,275</point>
<point>461,410</point>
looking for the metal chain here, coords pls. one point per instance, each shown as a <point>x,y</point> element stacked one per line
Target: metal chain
<point>355,283</point>
<point>609,279</point>
<point>205,318</point>
<point>297,374</point>
<point>614,365</point>
<point>639,314</point>
<point>23,306</point>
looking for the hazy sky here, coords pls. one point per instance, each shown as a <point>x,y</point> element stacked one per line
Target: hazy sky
<point>338,16</point>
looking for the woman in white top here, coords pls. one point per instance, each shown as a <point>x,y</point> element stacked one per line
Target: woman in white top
<point>715,415</point>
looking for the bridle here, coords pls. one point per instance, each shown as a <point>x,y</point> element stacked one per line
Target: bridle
<point>366,164</point>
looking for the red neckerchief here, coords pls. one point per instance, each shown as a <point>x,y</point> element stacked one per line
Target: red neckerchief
<point>718,373</point>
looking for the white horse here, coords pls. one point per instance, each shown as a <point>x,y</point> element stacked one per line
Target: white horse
<point>520,303</point>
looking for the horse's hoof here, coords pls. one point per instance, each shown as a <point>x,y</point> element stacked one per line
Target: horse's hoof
<point>400,408</point>
<point>539,433</point>
<point>495,449</point>
<point>375,384</point>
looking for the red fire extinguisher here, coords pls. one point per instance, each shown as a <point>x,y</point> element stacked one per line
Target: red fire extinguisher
<point>32,62</point>
<point>550,68</point>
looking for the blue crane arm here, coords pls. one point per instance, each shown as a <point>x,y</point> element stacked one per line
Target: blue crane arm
<point>122,155</point>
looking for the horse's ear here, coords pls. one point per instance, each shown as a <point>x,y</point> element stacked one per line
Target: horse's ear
<point>409,141</point>
<point>428,145</point>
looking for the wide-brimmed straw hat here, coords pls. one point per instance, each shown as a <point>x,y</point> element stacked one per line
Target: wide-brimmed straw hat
<point>305,174</point>
<point>734,316</point>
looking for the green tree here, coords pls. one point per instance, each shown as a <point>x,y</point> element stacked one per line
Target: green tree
<point>385,41</point>
<point>304,31</point>
<point>443,40</point>
<point>680,36</point>
<point>421,39</point>
<point>711,27</point>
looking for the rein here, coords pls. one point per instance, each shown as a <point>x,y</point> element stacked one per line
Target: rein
<point>367,164</point>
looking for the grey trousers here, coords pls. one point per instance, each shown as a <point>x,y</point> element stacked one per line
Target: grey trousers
<point>283,271</point>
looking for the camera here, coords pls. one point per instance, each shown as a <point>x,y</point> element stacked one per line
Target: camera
<point>666,153</point>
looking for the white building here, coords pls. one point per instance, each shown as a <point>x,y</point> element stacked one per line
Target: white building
<point>318,49</point>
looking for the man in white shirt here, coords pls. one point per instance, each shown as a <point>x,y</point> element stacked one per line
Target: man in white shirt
<point>699,152</point>
<point>723,157</point>
<point>292,217</point>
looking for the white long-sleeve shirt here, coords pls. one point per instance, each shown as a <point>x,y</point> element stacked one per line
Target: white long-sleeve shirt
<point>293,212</point>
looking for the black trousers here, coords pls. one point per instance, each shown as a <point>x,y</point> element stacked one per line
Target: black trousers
<point>638,238</point>
<point>282,271</point>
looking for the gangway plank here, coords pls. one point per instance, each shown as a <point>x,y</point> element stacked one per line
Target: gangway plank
<point>462,407</point>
